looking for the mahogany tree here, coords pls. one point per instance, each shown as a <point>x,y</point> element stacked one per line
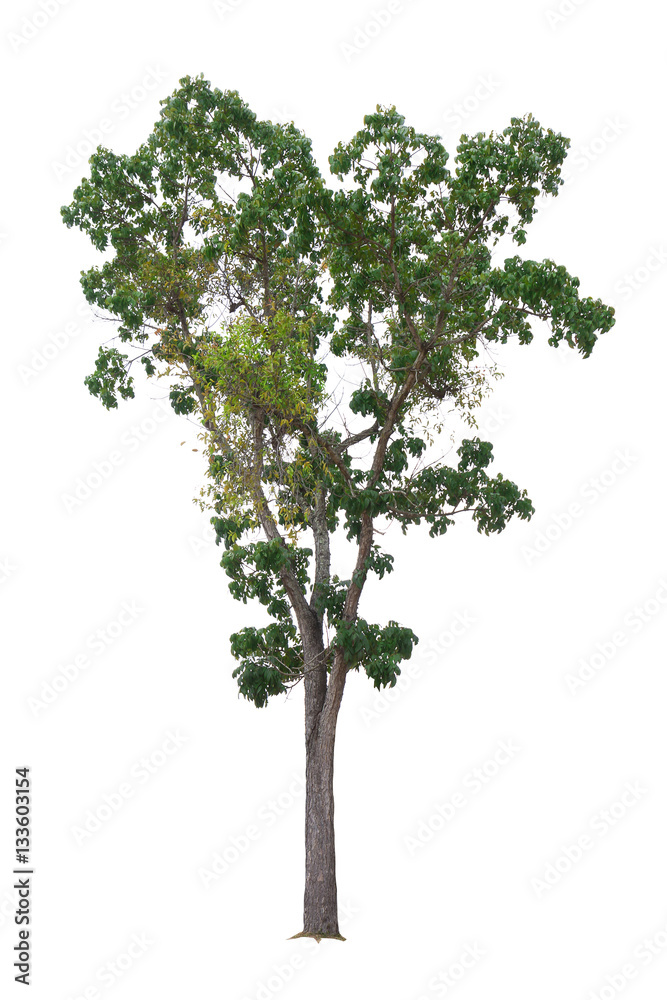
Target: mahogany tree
<point>233,270</point>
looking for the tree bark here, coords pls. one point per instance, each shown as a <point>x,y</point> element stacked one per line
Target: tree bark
<point>320,901</point>
<point>320,904</point>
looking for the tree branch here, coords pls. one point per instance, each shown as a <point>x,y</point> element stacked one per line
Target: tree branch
<point>356,438</point>
<point>322,550</point>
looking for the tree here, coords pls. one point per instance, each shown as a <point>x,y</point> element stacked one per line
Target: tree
<point>235,272</point>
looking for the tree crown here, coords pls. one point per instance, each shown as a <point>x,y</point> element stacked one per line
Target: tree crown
<point>236,273</point>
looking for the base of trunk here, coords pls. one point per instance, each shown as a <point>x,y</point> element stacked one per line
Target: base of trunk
<point>318,936</point>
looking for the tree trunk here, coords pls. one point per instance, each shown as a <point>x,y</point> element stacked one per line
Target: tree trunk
<point>320,904</point>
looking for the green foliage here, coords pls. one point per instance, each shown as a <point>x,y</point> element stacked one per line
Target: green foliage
<point>436,494</point>
<point>265,367</point>
<point>378,650</point>
<point>111,378</point>
<point>182,400</point>
<point>526,287</point>
<point>254,569</point>
<point>270,658</point>
<point>237,274</point>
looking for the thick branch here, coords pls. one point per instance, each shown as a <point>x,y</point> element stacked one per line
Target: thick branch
<point>328,448</point>
<point>184,216</point>
<point>302,610</point>
<point>322,549</point>
<point>356,438</point>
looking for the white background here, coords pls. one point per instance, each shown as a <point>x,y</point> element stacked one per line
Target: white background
<point>530,605</point>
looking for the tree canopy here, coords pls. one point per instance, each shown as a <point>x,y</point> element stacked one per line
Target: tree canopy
<point>236,272</point>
